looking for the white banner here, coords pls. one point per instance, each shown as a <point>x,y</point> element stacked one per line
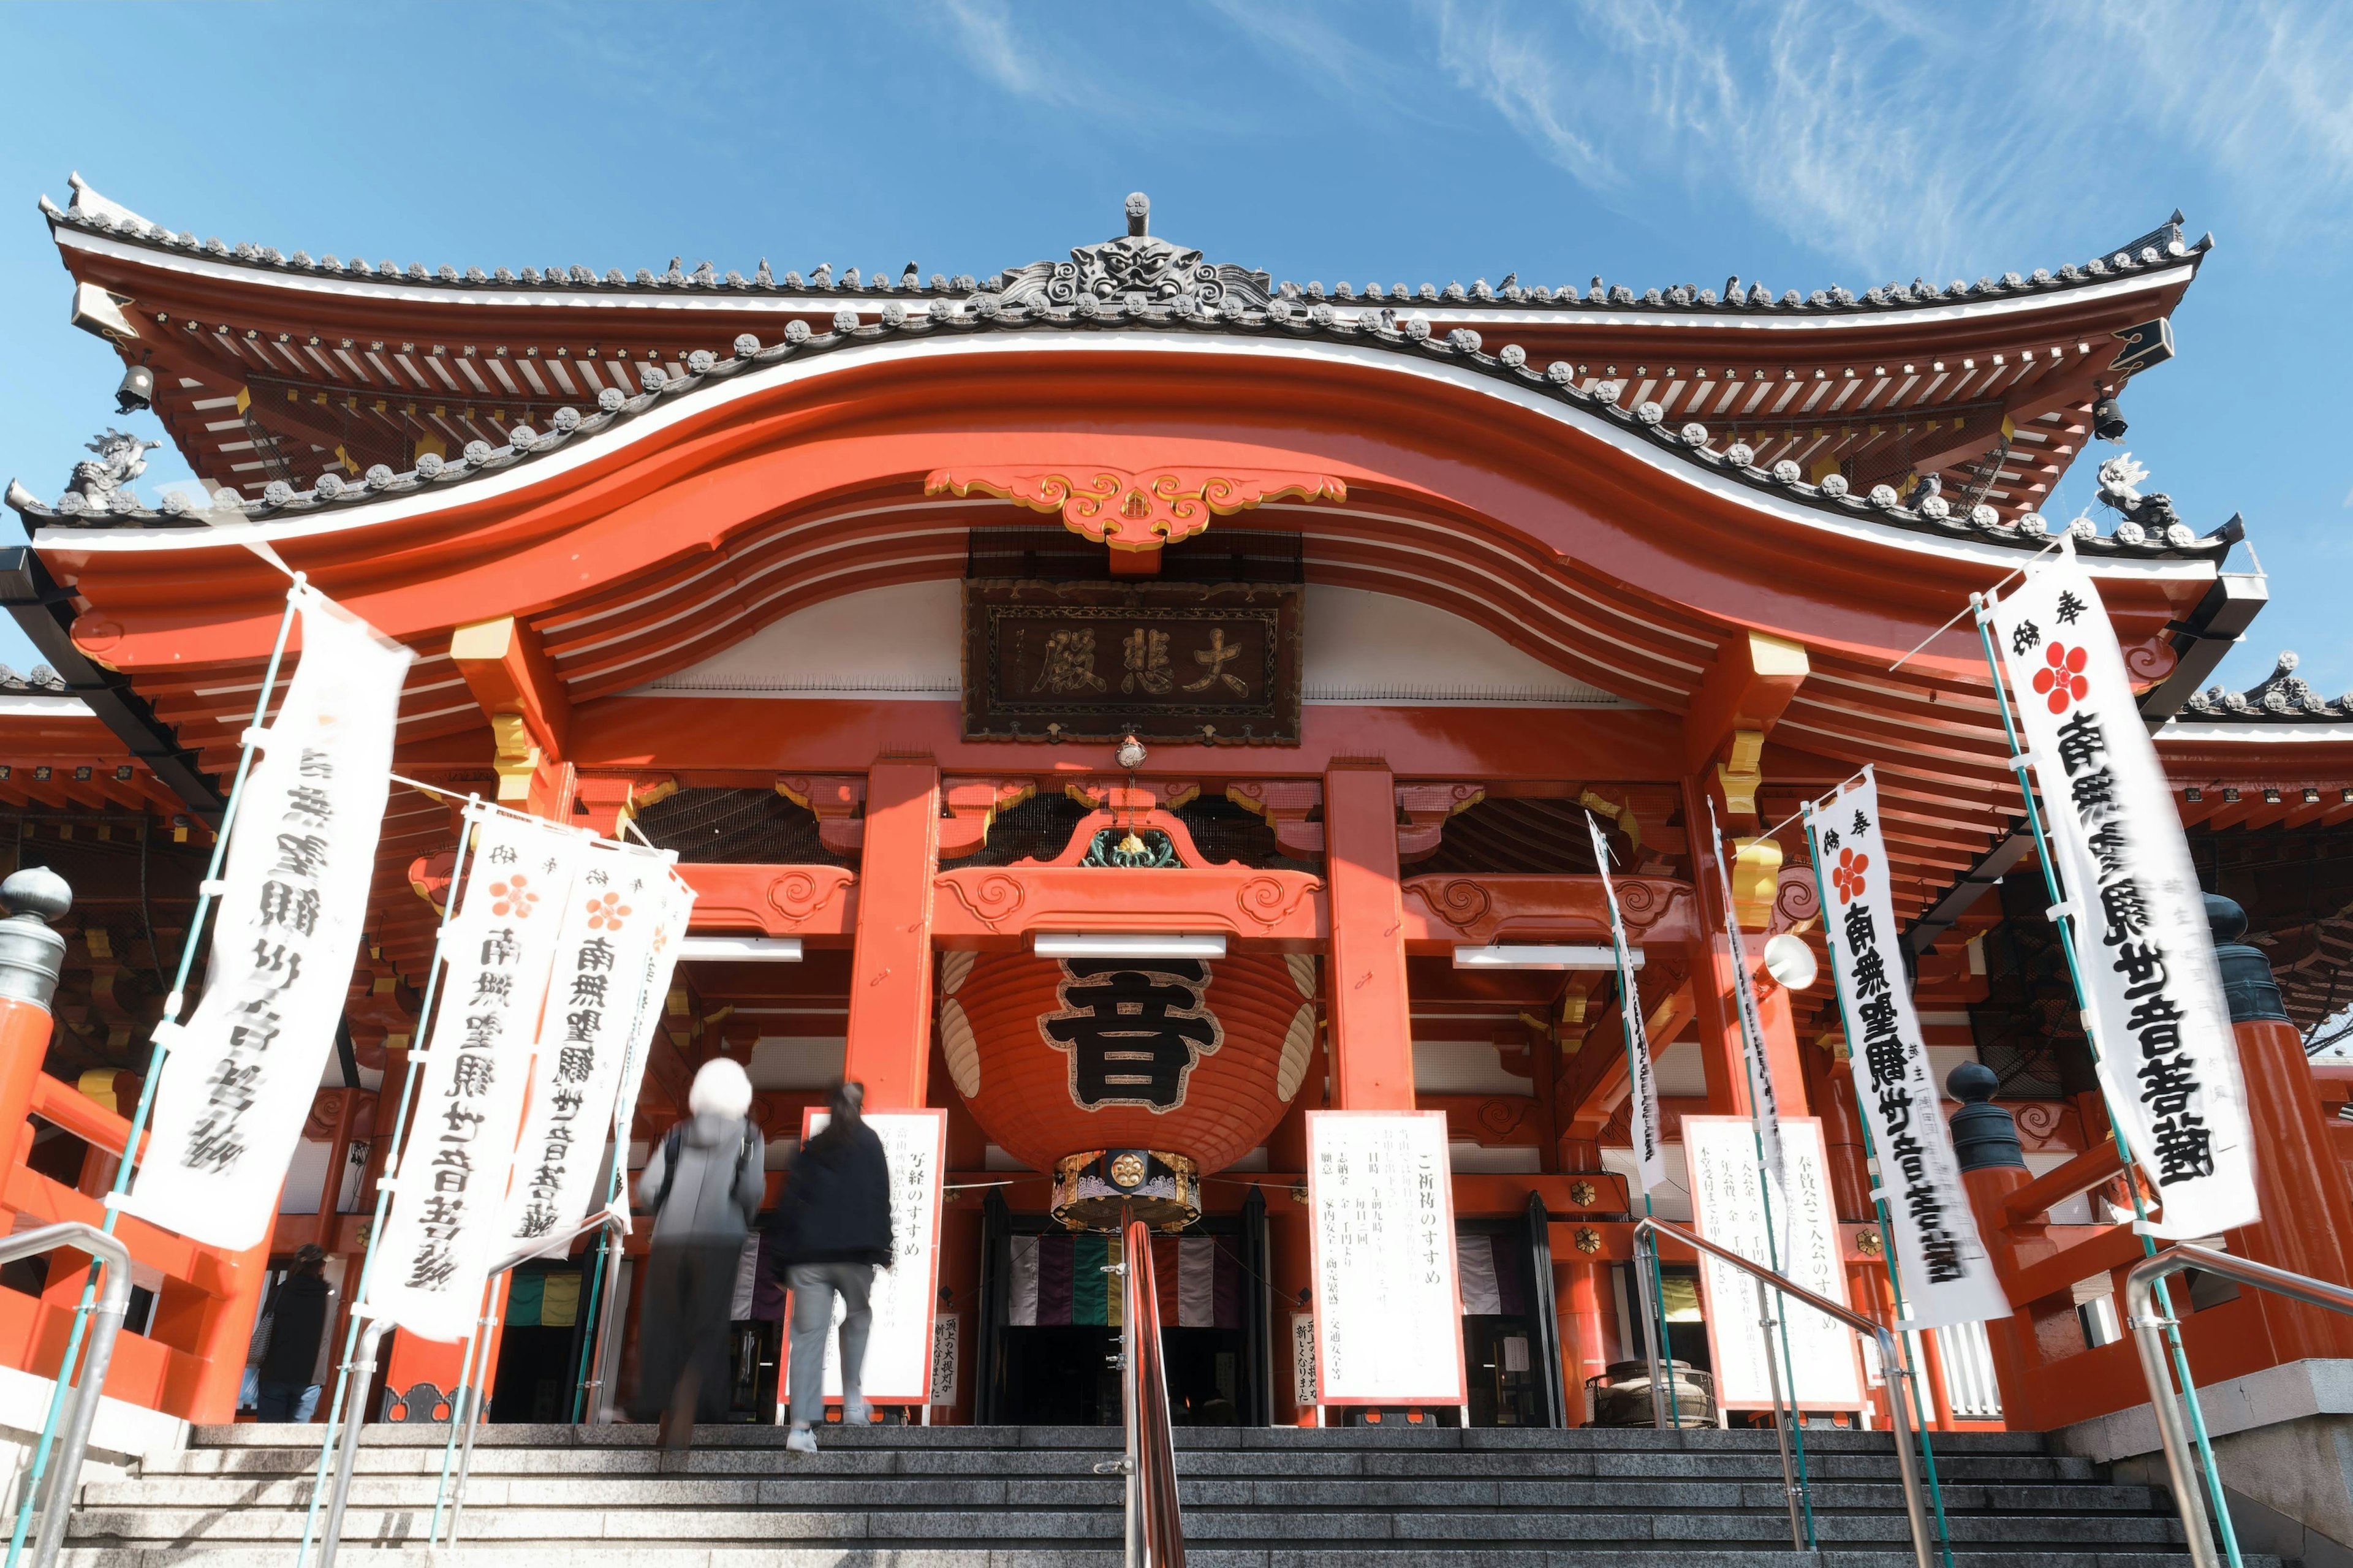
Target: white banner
<point>238,1078</point>
<point>1762,1107</point>
<point>1388,1312</point>
<point>1643,1119</point>
<point>1728,1208</point>
<point>1940,1262</point>
<point>899,1347</point>
<point>2144,953</point>
<point>615,950</point>
<point>443,1232</point>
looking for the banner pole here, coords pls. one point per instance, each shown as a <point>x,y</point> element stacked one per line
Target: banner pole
<point>1755,1051</point>
<point>158,1042</point>
<point>1879,1207</point>
<point>1983,605</point>
<point>1630,999</point>
<point>596,1288</point>
<point>384,1194</point>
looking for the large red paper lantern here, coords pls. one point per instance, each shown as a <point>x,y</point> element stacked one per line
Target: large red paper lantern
<point>1198,1057</point>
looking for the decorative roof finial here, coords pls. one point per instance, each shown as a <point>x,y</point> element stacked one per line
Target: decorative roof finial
<point>1139,215</point>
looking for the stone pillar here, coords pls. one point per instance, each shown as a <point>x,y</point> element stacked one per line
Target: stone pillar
<point>889,1032</point>
<point>1372,1026</point>
<point>2307,1224</point>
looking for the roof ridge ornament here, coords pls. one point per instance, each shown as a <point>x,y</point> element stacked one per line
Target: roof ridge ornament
<point>2282,694</point>
<point>1137,269</point>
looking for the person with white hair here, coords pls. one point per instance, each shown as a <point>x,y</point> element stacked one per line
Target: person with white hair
<point>704,1183</point>
<point>831,1230</point>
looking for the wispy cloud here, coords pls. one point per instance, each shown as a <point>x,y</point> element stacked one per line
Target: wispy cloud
<point>1887,137</point>
<point>989,36</point>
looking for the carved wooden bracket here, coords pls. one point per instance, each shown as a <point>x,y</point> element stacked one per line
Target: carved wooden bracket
<point>612,799</point>
<point>1285,805</point>
<point>1136,508</point>
<point>839,802</point>
<point>971,807</point>
<point>1286,802</point>
<point>1426,808</point>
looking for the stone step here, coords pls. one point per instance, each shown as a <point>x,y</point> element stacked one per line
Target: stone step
<point>571,1490</point>
<point>1047,1557</point>
<point>851,1455</point>
<point>544,1436</point>
<point>946,1527</point>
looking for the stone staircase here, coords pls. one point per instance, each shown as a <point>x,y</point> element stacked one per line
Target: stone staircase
<point>564,1497</point>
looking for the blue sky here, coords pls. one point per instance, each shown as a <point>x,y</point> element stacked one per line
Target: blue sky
<point>1802,144</point>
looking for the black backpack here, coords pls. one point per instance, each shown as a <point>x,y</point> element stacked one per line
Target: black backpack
<point>671,1145</point>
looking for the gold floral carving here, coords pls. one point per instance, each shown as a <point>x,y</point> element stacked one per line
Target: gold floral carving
<point>1138,508</point>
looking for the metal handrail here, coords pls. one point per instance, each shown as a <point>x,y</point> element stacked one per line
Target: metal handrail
<point>616,1220</point>
<point>1155,1526</point>
<point>1923,1551</point>
<point>82,1409</point>
<point>363,1372</point>
<point>2140,1286</point>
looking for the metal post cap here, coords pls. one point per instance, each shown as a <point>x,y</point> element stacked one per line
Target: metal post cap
<point>1985,1135</point>
<point>37,892</point>
<point>31,954</point>
<point>2249,988</point>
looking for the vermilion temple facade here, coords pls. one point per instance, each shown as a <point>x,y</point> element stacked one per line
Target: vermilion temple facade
<point>1139,592</point>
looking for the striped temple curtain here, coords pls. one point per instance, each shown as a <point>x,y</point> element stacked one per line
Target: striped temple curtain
<point>1493,1273</point>
<point>1058,1279</point>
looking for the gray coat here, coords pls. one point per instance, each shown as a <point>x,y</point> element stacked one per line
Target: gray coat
<point>722,1176</point>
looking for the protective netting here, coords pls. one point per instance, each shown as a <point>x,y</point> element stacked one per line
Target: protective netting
<point>735,827</point>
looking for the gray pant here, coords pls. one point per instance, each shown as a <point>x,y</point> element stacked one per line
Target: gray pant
<point>814,1285</point>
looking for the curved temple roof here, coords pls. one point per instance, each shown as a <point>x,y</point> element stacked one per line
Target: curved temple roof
<point>2164,245</point>
<point>1032,310</point>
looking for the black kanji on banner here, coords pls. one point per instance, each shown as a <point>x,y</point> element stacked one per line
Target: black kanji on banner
<point>1135,1029</point>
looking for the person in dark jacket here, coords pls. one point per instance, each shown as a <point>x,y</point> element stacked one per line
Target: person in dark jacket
<point>704,1183</point>
<point>832,1231</point>
<point>298,1315</point>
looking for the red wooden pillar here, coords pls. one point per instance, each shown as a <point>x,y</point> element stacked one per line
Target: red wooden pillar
<point>1585,1342</point>
<point>1372,1025</point>
<point>890,1031</point>
<point>2307,1215</point>
<point>1993,1166</point>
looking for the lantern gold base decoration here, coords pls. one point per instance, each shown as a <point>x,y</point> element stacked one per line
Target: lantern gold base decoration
<point>1094,1189</point>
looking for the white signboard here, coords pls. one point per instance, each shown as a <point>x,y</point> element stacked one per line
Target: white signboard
<point>947,1341</point>
<point>615,946</point>
<point>443,1232</point>
<point>1650,1146</point>
<point>1941,1264</point>
<point>1728,1208</point>
<point>1302,1358</point>
<point>2152,992</point>
<point>238,1078</point>
<point>1388,1312</point>
<point>899,1347</point>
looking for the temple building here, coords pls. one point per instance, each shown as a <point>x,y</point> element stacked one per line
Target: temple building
<point>1292,630</point>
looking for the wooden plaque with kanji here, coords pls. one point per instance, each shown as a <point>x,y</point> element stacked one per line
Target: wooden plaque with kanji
<point>1096,661</point>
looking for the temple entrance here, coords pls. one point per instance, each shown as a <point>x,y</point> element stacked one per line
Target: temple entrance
<point>1050,1324</point>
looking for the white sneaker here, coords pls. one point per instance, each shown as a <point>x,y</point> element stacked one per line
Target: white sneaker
<point>801,1440</point>
<point>856,1413</point>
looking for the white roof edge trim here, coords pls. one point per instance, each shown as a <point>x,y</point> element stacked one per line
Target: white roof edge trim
<point>517,295</point>
<point>2256,732</point>
<point>676,408</point>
